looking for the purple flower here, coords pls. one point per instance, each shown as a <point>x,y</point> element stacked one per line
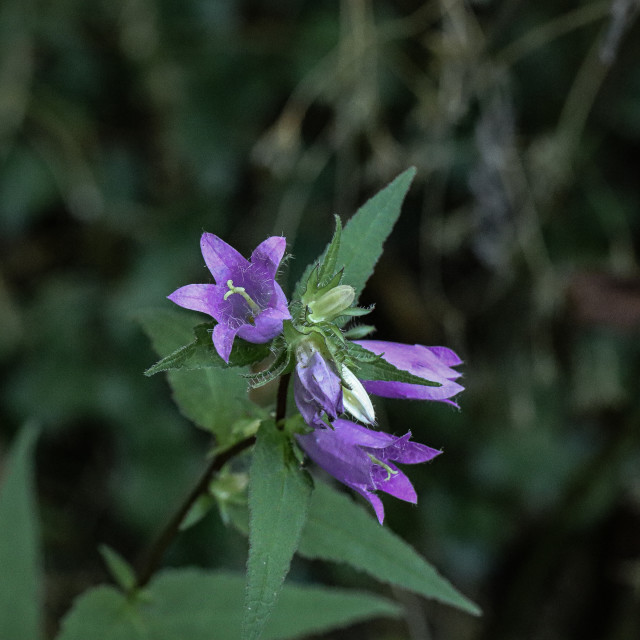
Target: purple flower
<point>246,300</point>
<point>364,460</point>
<point>316,387</point>
<point>431,363</point>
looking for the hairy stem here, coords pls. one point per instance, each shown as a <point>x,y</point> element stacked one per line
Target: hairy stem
<point>155,554</point>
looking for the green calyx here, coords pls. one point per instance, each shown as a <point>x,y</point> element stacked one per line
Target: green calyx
<point>331,304</point>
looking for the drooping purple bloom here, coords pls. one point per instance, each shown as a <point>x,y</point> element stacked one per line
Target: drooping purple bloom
<point>364,459</point>
<point>246,300</point>
<point>316,387</point>
<point>431,363</point>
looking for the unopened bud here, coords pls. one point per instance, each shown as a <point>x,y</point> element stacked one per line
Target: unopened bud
<point>356,400</point>
<point>332,303</point>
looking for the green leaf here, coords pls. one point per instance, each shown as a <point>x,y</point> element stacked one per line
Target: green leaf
<point>201,353</point>
<point>199,605</point>
<point>279,492</point>
<point>340,530</point>
<point>377,368</point>
<point>20,562</point>
<point>359,331</point>
<point>120,570</point>
<point>363,236</point>
<point>212,398</point>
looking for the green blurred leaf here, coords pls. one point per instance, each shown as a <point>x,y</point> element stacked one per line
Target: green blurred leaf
<point>328,266</point>
<point>212,398</point>
<point>363,236</point>
<point>20,571</point>
<point>340,530</point>
<point>279,492</point>
<point>199,605</point>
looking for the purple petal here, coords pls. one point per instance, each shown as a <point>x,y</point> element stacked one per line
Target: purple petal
<point>430,363</point>
<point>269,254</point>
<point>268,325</point>
<point>398,486</point>
<point>223,337</point>
<point>375,502</point>
<point>221,258</point>
<point>279,301</point>
<point>322,383</point>
<point>197,297</point>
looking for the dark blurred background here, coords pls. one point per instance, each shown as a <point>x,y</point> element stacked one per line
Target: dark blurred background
<point>127,127</point>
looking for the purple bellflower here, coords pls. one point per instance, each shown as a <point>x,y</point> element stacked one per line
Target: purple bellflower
<point>364,460</point>
<point>431,363</point>
<point>316,387</point>
<point>246,300</point>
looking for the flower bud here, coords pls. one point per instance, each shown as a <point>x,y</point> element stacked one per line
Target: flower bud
<point>356,400</point>
<point>332,303</point>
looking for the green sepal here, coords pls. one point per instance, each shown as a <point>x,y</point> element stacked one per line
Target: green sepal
<point>275,369</point>
<point>356,312</point>
<point>201,353</point>
<point>328,265</point>
<point>359,331</point>
<point>376,368</point>
<point>121,571</point>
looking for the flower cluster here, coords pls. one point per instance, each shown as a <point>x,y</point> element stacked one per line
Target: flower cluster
<point>247,302</point>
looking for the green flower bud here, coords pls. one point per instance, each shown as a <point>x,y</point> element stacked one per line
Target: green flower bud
<point>331,304</point>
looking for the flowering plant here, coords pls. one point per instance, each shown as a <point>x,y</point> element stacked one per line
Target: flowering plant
<point>320,371</point>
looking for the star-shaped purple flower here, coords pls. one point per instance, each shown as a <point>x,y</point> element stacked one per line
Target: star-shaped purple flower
<point>431,363</point>
<point>364,460</point>
<point>246,300</point>
<point>316,388</point>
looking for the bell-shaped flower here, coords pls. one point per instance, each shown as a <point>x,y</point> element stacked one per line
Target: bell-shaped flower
<point>316,387</point>
<point>364,459</point>
<point>430,363</point>
<point>246,300</point>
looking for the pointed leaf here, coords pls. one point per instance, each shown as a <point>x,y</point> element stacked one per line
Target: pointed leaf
<point>199,605</point>
<point>200,353</point>
<point>340,530</point>
<point>212,398</point>
<point>359,331</point>
<point>363,236</point>
<point>20,568</point>
<point>279,492</point>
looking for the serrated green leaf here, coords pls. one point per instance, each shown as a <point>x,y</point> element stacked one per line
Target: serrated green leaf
<point>201,353</point>
<point>379,369</point>
<point>20,563</point>
<point>363,236</point>
<point>328,265</point>
<point>120,570</point>
<point>213,398</point>
<point>200,605</point>
<point>340,530</point>
<point>279,493</point>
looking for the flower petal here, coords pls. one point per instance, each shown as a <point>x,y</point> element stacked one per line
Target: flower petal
<point>430,363</point>
<point>398,486</point>
<point>268,325</point>
<point>375,502</point>
<point>197,297</point>
<point>269,254</point>
<point>221,258</point>
<point>223,337</point>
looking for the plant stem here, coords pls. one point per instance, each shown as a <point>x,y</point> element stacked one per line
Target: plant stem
<point>163,541</point>
<point>281,403</point>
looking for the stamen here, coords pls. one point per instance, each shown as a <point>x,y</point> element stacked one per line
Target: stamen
<point>386,467</point>
<point>255,309</point>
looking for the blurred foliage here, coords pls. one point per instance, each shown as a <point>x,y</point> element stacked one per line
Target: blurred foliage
<point>128,127</point>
